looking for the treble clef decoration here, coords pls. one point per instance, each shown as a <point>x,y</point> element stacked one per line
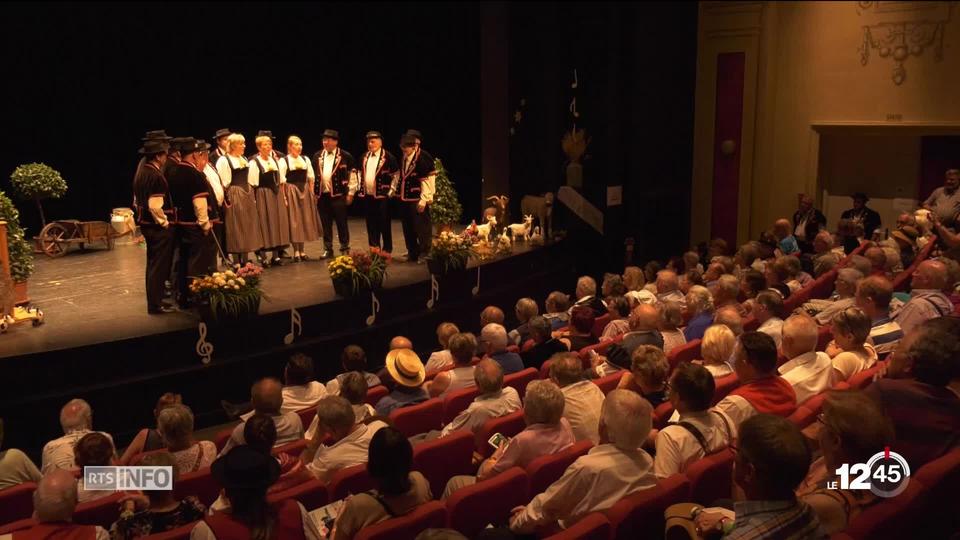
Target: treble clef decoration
<point>434,291</point>
<point>296,327</point>
<point>204,348</point>
<point>374,308</point>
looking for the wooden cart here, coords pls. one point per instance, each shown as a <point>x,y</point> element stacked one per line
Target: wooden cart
<point>57,236</point>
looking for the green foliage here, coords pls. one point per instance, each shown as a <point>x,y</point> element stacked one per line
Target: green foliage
<point>21,255</point>
<point>446,208</point>
<point>38,181</point>
<point>451,252</point>
<point>359,270</point>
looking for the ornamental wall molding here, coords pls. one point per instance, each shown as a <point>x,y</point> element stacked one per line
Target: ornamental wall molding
<point>899,30</point>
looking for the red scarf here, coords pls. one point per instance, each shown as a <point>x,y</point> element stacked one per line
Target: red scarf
<point>770,395</point>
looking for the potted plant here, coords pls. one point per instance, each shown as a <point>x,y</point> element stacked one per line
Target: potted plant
<point>359,271</point>
<point>38,181</point>
<point>21,255</point>
<point>228,296</point>
<point>449,252</point>
<point>446,209</point>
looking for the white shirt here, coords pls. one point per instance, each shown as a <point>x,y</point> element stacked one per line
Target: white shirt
<point>214,180</point>
<point>593,482</point>
<point>737,409</point>
<point>677,448</point>
<point>326,173</point>
<point>427,185</point>
<point>101,534</point>
<point>773,327</point>
<point>439,360</point>
<point>460,378</point>
<point>269,164</point>
<point>202,531</point>
<point>370,172</point>
<point>360,413</point>
<point>483,408</point>
<point>289,429</point>
<point>225,166</point>
<point>718,370</point>
<point>347,452</point>
<point>58,453</point>
<point>299,397</point>
<point>849,363</point>
<point>809,374</point>
<point>583,401</point>
<point>298,162</point>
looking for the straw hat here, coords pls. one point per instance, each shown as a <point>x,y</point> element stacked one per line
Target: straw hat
<point>405,367</point>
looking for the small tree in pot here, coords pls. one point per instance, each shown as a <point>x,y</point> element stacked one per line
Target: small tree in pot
<point>37,181</point>
<point>446,209</point>
<point>21,255</point>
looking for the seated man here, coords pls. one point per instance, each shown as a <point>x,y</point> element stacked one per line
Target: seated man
<point>491,315</point>
<point>266,395</point>
<point>761,390</point>
<point>544,344</point>
<point>525,309</point>
<point>301,391</point>
<point>555,309</point>
<point>878,262</point>
<point>845,289</point>
<point>771,461</point>
<point>494,399</point>
<point>15,467</point>
<point>808,370</point>
<point>406,374</point>
<point>611,470</point>
<point>76,419</point>
<point>493,340</point>
<point>353,358</point>
<point>441,359</point>
<point>927,300</point>
<point>587,296</point>
<point>925,412</point>
<point>644,330</point>
<point>351,440</point>
<point>726,291</point>
<point>53,505</point>
<point>582,398</point>
<point>668,288</point>
<point>353,388</point>
<point>768,311</point>
<point>700,431</point>
<point>873,297</point>
<point>547,433</point>
<point>461,376</point>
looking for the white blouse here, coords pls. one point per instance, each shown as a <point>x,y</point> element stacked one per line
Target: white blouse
<point>253,177</point>
<point>225,166</point>
<point>214,180</point>
<point>298,162</point>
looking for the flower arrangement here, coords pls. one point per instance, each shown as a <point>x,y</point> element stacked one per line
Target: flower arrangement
<point>449,252</point>
<point>359,270</point>
<point>232,293</point>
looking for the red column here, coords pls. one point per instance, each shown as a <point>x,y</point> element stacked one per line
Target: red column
<point>728,126</point>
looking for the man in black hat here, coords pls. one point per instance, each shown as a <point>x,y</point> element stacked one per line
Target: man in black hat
<point>189,193</point>
<point>867,217</point>
<point>416,189</point>
<point>173,156</point>
<point>154,135</point>
<point>220,137</point>
<point>335,187</point>
<point>379,176</point>
<point>152,202</point>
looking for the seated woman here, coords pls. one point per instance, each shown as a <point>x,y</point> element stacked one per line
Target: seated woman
<point>581,327</point>
<point>175,424</point>
<point>752,283</point>
<point>619,309</point>
<point>353,388</point>
<point>849,349</point>
<point>398,489</point>
<point>716,349</point>
<point>648,374</point>
<point>148,439</point>
<point>853,428</point>
<point>671,319</point>
<point>157,510</point>
<point>633,278</point>
<point>92,450</point>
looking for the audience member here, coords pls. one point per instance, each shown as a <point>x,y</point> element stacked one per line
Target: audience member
<point>824,264</point>
<point>644,324</point>
<point>586,294</point>
<point>700,431</point>
<point>849,349</point>
<point>873,297</point>
<point>148,439</point>
<point>945,200</point>
<point>651,271</point>
<point>611,286</point>
<point>752,283</point>
<point>53,503</point>
<point>76,419</point>
<point>768,311</point>
<point>796,277</point>
<point>648,374</point>
<point>668,288</point>
<point>633,278</point>
<point>691,261</point>
<point>175,424</point>
<point>493,340</point>
<point>399,489</point>
<point>619,310</point>
<point>555,309</point>
<point>850,235</point>
<point>927,300</point>
<point>461,376</point>
<point>807,222</point>
<point>761,390</point>
<point>670,318</point>
<point>15,467</point>
<point>354,389</point>
<point>582,398</point>
<point>525,310</point>
<point>158,511</point>
<point>717,349</point>
<point>544,344</point>
<point>892,255</point>
<point>808,370</point>
<point>441,359</point>
<point>92,450</point>
<point>580,334</point>
<point>491,315</point>
<point>260,433</point>
<point>747,257</point>
<point>786,242</point>
<point>406,374</point>
<point>861,264</point>
<point>878,262</point>
<point>611,470</point>
<point>843,297</point>
<point>862,214</point>
<point>353,358</point>
<point>906,219</point>
<point>700,310</point>
<point>689,279</point>
<point>906,239</point>
<point>267,398</point>
<point>401,342</point>
<point>351,439</point>
<point>493,401</point>
<point>726,291</point>
<point>777,273</point>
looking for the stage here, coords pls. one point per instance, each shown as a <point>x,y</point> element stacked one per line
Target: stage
<point>99,343</point>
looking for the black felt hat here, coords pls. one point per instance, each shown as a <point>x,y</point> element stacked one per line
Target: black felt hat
<point>408,140</point>
<point>178,144</point>
<point>331,133</point>
<point>193,145</point>
<point>374,135</point>
<point>265,133</point>
<point>222,132</point>
<point>860,196</point>
<point>415,133</point>
<point>243,467</point>
<point>156,135</point>
<point>154,146</point>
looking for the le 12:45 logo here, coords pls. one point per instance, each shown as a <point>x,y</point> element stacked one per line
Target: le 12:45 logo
<point>886,474</point>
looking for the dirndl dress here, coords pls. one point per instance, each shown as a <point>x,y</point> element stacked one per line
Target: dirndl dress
<point>301,207</point>
<point>272,207</point>
<point>242,219</point>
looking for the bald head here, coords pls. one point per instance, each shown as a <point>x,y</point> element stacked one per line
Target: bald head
<point>55,497</point>
<point>667,281</point>
<point>400,342</point>
<point>76,415</point>
<point>799,335</point>
<point>491,315</point>
<point>266,396</point>
<point>930,274</point>
<point>644,317</point>
<point>489,376</point>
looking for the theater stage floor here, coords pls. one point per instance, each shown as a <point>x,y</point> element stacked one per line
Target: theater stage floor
<point>98,295</point>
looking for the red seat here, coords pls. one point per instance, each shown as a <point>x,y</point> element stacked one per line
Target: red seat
<point>513,348</point>
<point>724,385</point>
<point>601,349</point>
<point>824,337</point>
<point>374,395</point>
<point>441,459</point>
<point>901,281</point>
<point>863,379</point>
<point>527,345</point>
<point>710,477</point>
<point>802,417</point>
<point>519,380</point>
<point>222,436</point>
<point>896,517</point>
<point>180,533</point>
<point>599,324</point>
<point>546,470</point>
<point>349,481</point>
<point>939,479</point>
<point>592,527</point>
<point>306,416</point>
<point>470,509</point>
<point>457,401</point>
<point>508,425</point>
<point>640,515</point>
<point>545,369</point>
<point>312,494</point>
<point>750,324</point>
<point>200,484</point>
<point>687,352</point>
<point>294,448</point>
<point>102,512</point>
<point>822,287</point>
<point>609,383</point>
<point>18,525</point>
<point>432,515</point>
<point>16,502</point>
<point>662,414</point>
<point>419,418</point>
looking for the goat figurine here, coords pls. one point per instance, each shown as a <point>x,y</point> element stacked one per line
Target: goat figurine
<point>483,231</point>
<point>522,229</point>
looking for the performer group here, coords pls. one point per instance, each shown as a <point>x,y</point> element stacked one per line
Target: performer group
<point>194,203</point>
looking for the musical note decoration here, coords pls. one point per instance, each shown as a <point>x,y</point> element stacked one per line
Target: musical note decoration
<point>434,292</point>
<point>204,348</point>
<point>476,288</point>
<point>576,82</point>
<point>296,327</point>
<point>374,308</point>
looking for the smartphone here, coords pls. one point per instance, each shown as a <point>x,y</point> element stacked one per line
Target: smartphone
<point>497,439</point>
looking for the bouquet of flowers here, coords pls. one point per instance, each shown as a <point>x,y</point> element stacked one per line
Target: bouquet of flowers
<point>358,271</point>
<point>232,293</point>
<point>449,252</point>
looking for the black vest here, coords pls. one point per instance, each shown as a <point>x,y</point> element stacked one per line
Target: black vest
<point>268,180</point>
<point>386,167</point>
<point>238,176</point>
<point>150,181</point>
<point>340,178</point>
<point>186,182</point>
<point>412,175</point>
<point>297,177</point>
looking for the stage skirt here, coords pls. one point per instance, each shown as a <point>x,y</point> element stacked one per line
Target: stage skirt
<point>242,220</point>
<point>302,214</point>
<point>274,224</point>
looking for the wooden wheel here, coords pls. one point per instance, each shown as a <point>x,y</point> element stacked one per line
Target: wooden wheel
<point>53,239</point>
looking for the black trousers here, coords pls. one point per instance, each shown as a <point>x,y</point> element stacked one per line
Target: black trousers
<point>378,223</point>
<point>417,232</point>
<point>160,244</point>
<point>334,208</point>
<point>198,257</point>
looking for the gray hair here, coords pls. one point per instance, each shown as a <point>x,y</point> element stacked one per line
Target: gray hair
<point>627,418</point>
<point>586,286</point>
<point>724,261</point>
<point>55,497</point>
<point>540,326</point>
<point>801,331</point>
<point>489,376</point>
<point>700,299</point>
<point>824,264</point>
<point>672,314</point>
<point>175,423</point>
<point>893,258</point>
<point>495,335</point>
<point>826,237</point>
<point>76,414</point>
<point>462,346</point>
<point>543,403</point>
<point>336,414</point>
<point>862,264</point>
<point>730,285</point>
<point>849,277</point>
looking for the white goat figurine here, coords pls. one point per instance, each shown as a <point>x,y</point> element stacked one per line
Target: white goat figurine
<point>483,231</point>
<point>522,229</point>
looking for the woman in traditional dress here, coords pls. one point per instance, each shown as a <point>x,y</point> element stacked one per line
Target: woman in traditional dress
<point>271,201</point>
<point>243,221</point>
<point>297,179</point>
